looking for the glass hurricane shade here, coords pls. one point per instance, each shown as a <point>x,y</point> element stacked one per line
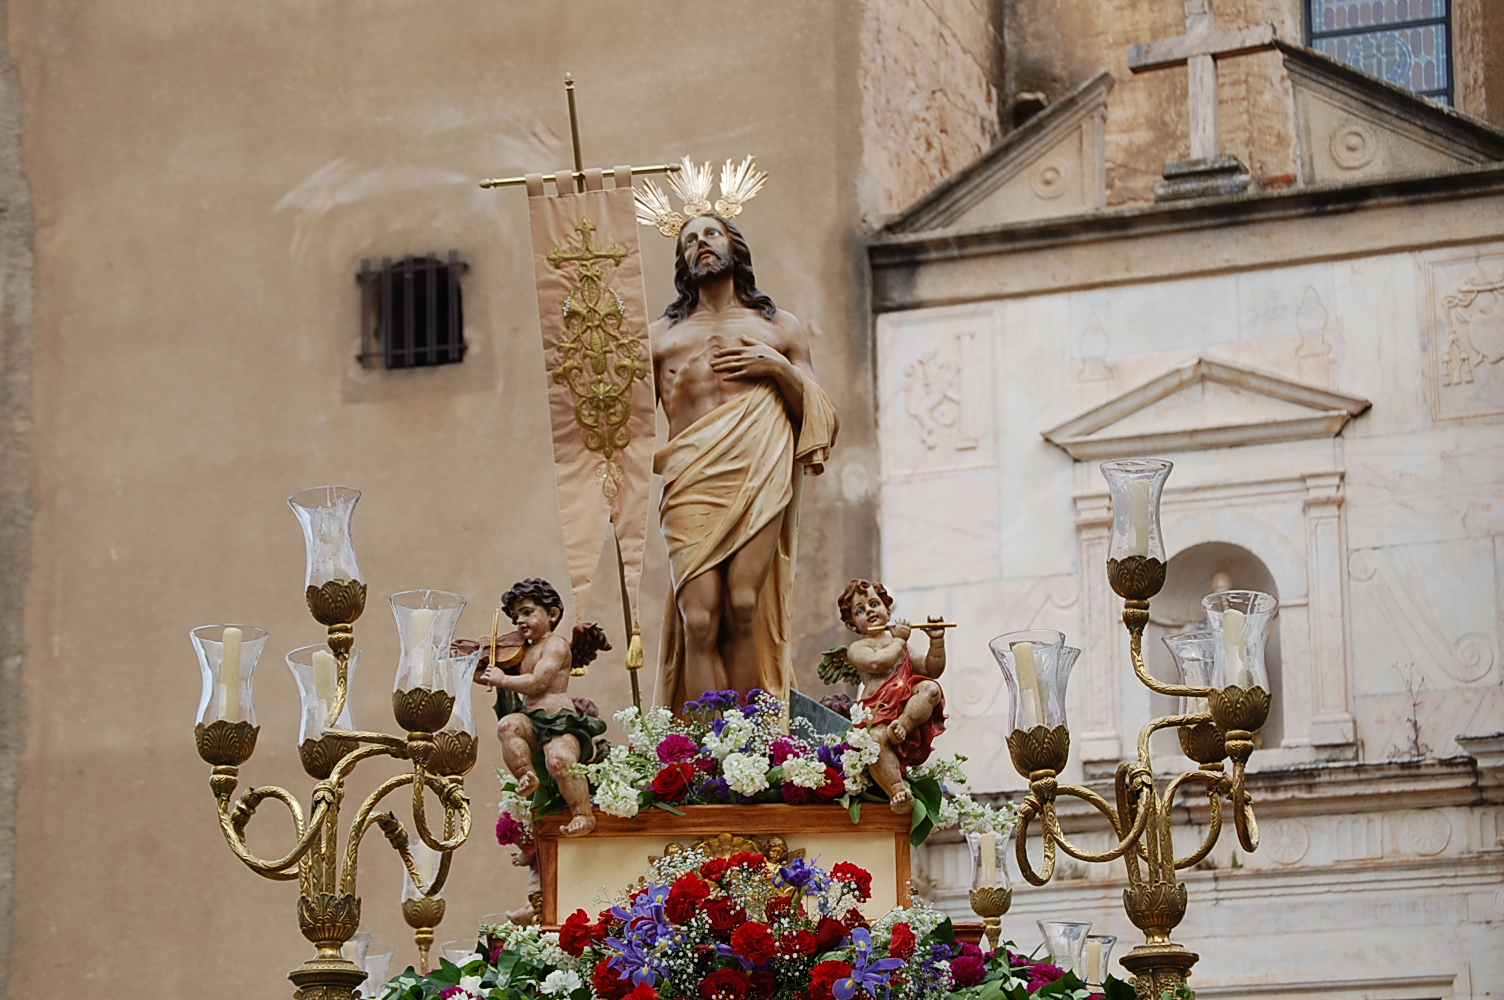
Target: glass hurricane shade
<point>1240,619</point>
<point>461,953</point>
<point>316,672</point>
<point>378,962</point>
<point>355,949</point>
<point>1135,485</point>
<point>427,861</point>
<point>1095,957</point>
<point>227,656</point>
<point>989,858</point>
<point>1194,653</point>
<point>1036,665</point>
<point>462,676</point>
<point>324,513</point>
<point>1065,940</point>
<point>426,620</point>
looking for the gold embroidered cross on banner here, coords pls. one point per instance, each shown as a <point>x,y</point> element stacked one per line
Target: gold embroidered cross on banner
<point>598,363</point>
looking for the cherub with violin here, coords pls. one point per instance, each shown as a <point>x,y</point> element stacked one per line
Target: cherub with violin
<point>907,707</point>
<point>530,668</point>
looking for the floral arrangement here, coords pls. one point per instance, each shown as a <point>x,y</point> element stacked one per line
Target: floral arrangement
<point>730,749</point>
<point>744,928</point>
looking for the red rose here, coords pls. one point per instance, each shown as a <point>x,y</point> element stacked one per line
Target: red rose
<point>725,916</point>
<point>609,984</point>
<point>858,878</point>
<point>725,984</point>
<point>834,787</point>
<point>753,942</point>
<point>779,906</point>
<point>763,984</point>
<point>829,934</point>
<point>825,975</point>
<point>642,992</point>
<point>796,944</point>
<point>574,935</point>
<point>672,783</point>
<point>714,868</point>
<point>854,918</point>
<point>748,859</point>
<point>903,942</point>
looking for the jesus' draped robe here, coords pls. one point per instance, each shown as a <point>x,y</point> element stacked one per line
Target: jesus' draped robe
<point>726,476</point>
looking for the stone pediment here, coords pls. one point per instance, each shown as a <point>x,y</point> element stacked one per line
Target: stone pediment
<point>1351,127</point>
<point>1053,165</point>
<point>1205,404</point>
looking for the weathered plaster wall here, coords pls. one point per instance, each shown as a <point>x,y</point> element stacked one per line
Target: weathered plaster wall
<point>16,347</point>
<point>207,181</point>
<point>929,91</point>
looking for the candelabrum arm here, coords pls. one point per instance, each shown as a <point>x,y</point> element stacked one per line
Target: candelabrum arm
<point>232,823</point>
<point>394,833</point>
<point>1125,843</point>
<point>1242,815</point>
<point>1136,644</point>
<point>375,739</point>
<point>1032,807</point>
<point>451,792</point>
<point>1164,722</point>
<point>1216,783</point>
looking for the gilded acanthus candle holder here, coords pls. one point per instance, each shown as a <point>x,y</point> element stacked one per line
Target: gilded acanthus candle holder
<point>1224,699</point>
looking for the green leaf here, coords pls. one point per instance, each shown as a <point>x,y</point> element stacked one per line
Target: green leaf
<point>775,774</point>
<point>920,823</point>
<point>928,791</point>
<point>1116,989</point>
<point>856,810</point>
<point>667,808</point>
<point>944,933</point>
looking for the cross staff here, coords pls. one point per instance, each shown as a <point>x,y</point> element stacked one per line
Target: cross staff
<point>1198,50</point>
<point>579,163</point>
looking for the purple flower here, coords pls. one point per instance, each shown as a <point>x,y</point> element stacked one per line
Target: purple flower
<point>676,747</point>
<point>647,937</point>
<point>783,748</point>
<point>967,970</point>
<point>865,974</point>
<point>831,756</point>
<point>715,788</point>
<point>509,831</point>
<point>970,950</point>
<point>800,873</point>
<point>718,726</point>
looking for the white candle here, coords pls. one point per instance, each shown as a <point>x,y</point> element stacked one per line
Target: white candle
<point>989,858</point>
<point>325,684</point>
<point>1234,649</point>
<point>422,633</point>
<point>1138,517</point>
<point>1093,963</point>
<point>229,674</point>
<point>1030,702</point>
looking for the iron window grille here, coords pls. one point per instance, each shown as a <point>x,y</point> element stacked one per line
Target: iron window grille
<point>1404,42</point>
<point>411,311</point>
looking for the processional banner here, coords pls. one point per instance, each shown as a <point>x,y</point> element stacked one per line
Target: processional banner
<point>592,307</point>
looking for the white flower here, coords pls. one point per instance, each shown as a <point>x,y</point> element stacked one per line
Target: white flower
<point>804,772</point>
<point>737,733</point>
<point>860,716</point>
<point>560,981</point>
<point>617,799</point>
<point>471,985</point>
<point>942,769</point>
<point>862,750</point>
<point>746,775</point>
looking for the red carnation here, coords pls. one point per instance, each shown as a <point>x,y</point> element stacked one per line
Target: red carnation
<point>748,859</point>
<point>854,918</point>
<point>601,929</point>
<point>725,916</point>
<point>609,984</point>
<point>858,878</point>
<point>779,906</point>
<point>574,935</point>
<point>764,983</point>
<point>684,899</point>
<point>642,992</point>
<point>672,783</point>
<point>829,934</point>
<point>798,944</point>
<point>725,984</point>
<point>902,945</point>
<point>825,975</point>
<point>714,868</point>
<point>753,942</point>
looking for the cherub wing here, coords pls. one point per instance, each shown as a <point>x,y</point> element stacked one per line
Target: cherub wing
<point>835,668</point>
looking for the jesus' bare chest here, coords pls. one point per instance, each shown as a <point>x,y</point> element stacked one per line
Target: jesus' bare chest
<point>687,384</point>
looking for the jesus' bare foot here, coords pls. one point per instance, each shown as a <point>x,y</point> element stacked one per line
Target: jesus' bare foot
<point>580,825</point>
<point>528,783</point>
<point>901,801</point>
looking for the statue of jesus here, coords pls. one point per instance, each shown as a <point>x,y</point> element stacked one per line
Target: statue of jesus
<point>745,412</point>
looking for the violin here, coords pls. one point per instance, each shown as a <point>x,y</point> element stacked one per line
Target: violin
<point>509,652</point>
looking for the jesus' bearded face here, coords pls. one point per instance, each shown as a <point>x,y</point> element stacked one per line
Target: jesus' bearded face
<point>706,247</point>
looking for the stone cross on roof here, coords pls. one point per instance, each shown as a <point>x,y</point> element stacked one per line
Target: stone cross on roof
<point>1198,50</point>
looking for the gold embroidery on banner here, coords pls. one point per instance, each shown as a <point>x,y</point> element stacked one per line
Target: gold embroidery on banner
<point>598,363</point>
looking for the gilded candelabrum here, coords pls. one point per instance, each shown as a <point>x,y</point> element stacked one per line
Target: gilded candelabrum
<point>330,748</point>
<point>1223,702</point>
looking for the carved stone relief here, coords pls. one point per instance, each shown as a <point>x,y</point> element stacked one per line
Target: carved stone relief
<point>1426,832</point>
<point>940,395</point>
<point>1286,840</point>
<point>1466,334</point>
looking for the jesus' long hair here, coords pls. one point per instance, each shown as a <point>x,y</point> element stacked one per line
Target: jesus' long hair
<point>743,283</point>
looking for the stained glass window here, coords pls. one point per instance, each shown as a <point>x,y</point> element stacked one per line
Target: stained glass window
<point>1405,42</point>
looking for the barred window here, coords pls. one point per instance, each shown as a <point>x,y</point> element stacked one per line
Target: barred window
<point>411,311</point>
<point>1405,42</point>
